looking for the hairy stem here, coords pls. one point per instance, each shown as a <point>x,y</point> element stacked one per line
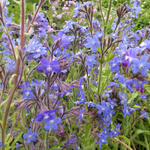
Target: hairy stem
<point>35,15</point>
<point>12,92</point>
<point>17,72</point>
<point>100,6</point>
<point>8,36</point>
<point>122,143</point>
<point>22,24</point>
<point>109,9</point>
<point>108,14</point>
<point>100,76</point>
<point>2,95</point>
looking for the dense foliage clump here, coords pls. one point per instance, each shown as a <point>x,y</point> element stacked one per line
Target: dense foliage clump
<point>74,79</point>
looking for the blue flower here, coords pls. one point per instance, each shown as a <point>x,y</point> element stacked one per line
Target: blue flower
<point>144,114</point>
<point>77,9</point>
<point>136,8</point>
<point>52,124</point>
<point>90,61</point>
<point>10,64</point>
<point>43,25</point>
<point>92,43</point>
<point>141,65</point>
<point>28,94</point>
<point>30,136</point>
<point>81,114</point>
<point>17,145</point>
<point>25,85</point>
<point>103,137</point>
<point>2,145</point>
<point>46,116</point>
<point>64,41</point>
<point>49,66</point>
<point>0,86</point>
<point>145,44</point>
<point>35,49</point>
<point>69,25</point>
<point>103,108</point>
<point>114,64</point>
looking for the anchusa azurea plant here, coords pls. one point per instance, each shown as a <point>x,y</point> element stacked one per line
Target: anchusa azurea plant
<point>85,86</point>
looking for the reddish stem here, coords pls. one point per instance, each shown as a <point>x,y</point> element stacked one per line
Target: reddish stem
<point>22,23</point>
<point>35,15</point>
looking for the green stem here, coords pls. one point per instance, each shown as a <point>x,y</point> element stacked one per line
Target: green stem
<point>108,14</point>
<point>122,143</point>
<point>100,77</point>
<point>46,140</point>
<point>100,7</point>
<point>109,9</point>
<point>118,21</point>
<point>17,72</point>
<point>35,15</point>
<point>6,113</point>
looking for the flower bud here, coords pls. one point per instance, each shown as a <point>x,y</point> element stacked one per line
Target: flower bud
<point>122,10</point>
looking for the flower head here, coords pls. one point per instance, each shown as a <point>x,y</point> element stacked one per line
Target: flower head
<point>141,65</point>
<point>49,66</point>
<point>30,136</point>
<point>52,124</point>
<point>2,145</point>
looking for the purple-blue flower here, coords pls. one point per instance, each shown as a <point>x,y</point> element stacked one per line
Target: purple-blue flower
<point>92,42</point>
<point>141,65</point>
<point>114,64</point>
<point>30,136</point>
<point>27,94</point>
<point>52,124</point>
<point>64,41</point>
<point>49,66</point>
<point>77,9</point>
<point>46,116</point>
<point>91,61</point>
<point>35,49</point>
<point>2,145</point>
<point>144,114</point>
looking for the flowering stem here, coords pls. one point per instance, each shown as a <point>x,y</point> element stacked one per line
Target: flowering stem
<point>35,15</point>
<point>17,72</point>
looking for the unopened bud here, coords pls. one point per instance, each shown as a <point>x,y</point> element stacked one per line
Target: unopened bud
<point>122,10</point>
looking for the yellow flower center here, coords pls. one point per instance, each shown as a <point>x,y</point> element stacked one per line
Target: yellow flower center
<point>51,121</point>
<point>30,136</point>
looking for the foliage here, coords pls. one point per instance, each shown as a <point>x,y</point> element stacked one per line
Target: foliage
<point>74,75</point>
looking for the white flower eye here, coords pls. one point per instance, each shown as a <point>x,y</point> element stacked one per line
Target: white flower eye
<point>27,93</point>
<point>49,68</point>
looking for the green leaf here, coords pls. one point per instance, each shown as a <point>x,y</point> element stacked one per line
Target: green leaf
<point>147,87</point>
<point>133,96</point>
<point>139,131</point>
<point>126,139</point>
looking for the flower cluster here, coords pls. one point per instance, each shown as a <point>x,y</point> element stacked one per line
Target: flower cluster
<point>49,118</point>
